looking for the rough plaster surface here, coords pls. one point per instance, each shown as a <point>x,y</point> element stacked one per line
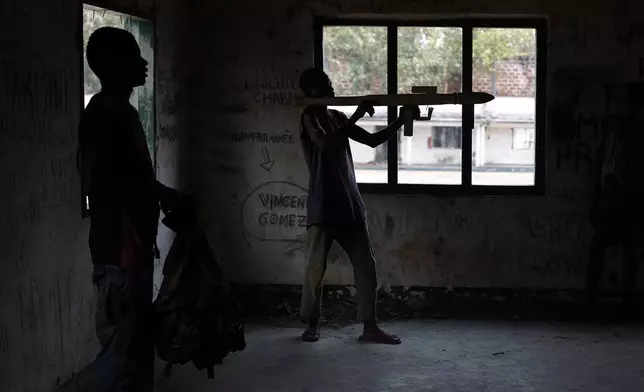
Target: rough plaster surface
<point>247,153</point>
<point>169,29</point>
<point>227,107</point>
<point>46,295</point>
<point>434,356</point>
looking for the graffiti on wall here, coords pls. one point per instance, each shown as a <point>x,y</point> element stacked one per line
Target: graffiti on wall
<point>167,132</point>
<point>550,265</point>
<point>275,211</point>
<point>55,302</point>
<point>446,221</point>
<point>559,229</point>
<point>42,88</point>
<point>271,87</point>
<point>266,163</point>
<point>589,107</point>
<point>285,137</point>
<point>35,103</point>
<point>582,34</point>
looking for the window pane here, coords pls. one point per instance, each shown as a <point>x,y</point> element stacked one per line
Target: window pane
<point>431,56</point>
<point>143,97</point>
<point>355,58</point>
<point>503,139</point>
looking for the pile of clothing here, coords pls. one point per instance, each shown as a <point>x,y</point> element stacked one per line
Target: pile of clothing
<point>197,313</point>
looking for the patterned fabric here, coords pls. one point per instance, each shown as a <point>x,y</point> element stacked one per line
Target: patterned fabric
<point>196,311</point>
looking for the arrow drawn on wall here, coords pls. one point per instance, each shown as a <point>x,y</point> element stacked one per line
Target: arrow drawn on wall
<point>267,164</point>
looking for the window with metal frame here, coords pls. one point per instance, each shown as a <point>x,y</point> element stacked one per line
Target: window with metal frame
<point>463,149</point>
<point>523,138</point>
<point>447,137</point>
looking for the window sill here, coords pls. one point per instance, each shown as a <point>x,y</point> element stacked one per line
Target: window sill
<point>452,190</point>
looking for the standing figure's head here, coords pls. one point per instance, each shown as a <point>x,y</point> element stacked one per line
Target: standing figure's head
<point>316,84</point>
<point>115,57</point>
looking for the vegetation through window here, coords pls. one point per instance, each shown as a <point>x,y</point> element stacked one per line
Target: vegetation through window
<point>497,146</point>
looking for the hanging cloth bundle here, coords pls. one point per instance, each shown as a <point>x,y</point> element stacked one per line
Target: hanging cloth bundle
<point>196,311</point>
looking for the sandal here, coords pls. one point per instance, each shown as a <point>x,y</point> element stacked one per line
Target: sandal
<point>380,337</point>
<point>311,335</point>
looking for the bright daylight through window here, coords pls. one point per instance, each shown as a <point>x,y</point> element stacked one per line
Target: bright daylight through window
<point>501,61</point>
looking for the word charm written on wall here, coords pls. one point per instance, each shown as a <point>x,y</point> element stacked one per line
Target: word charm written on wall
<point>271,88</point>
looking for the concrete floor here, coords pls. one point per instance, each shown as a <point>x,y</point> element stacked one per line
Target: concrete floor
<point>435,356</point>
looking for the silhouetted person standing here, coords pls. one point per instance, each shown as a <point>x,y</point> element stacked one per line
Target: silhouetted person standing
<point>618,209</point>
<point>125,199</point>
<point>335,210</point>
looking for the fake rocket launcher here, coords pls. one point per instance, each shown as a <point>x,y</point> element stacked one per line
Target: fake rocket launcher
<point>420,96</point>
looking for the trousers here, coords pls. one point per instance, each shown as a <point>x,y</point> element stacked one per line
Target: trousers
<point>357,244</point>
<point>123,260</point>
<point>124,327</point>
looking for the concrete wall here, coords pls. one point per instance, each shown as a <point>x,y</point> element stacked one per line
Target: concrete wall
<point>173,56</point>
<point>46,295</point>
<point>226,69</point>
<point>248,76</point>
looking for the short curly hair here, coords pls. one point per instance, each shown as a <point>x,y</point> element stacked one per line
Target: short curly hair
<point>103,45</point>
<point>311,78</point>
